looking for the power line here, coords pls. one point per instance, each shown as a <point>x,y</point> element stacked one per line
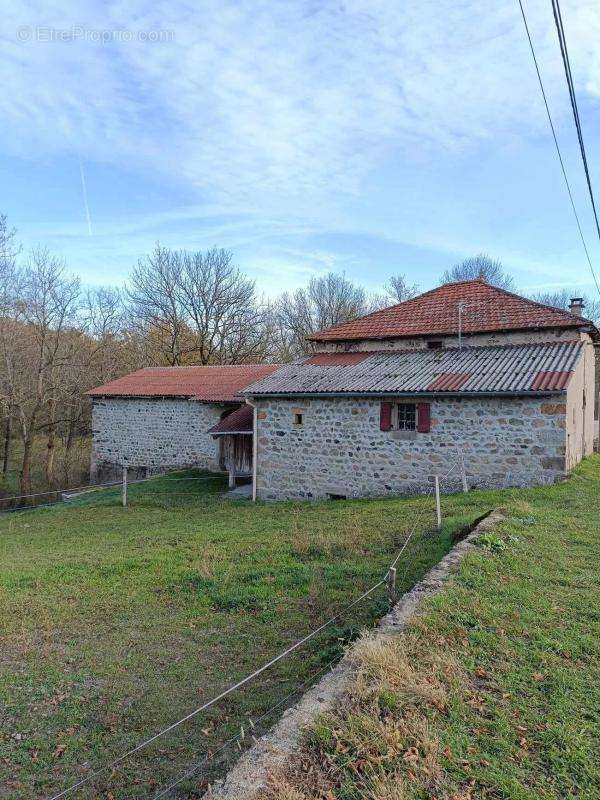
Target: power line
<point>558,151</point>
<point>562,39</point>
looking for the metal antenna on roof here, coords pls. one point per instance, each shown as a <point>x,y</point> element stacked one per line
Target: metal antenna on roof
<point>461,307</point>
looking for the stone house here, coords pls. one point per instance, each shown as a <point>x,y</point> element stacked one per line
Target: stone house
<point>160,418</point>
<point>381,405</point>
<point>393,398</point>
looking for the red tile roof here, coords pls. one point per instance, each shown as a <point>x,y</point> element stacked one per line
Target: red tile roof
<point>336,359</point>
<point>552,379</point>
<point>447,381</point>
<point>206,384</point>
<point>435,313</point>
<point>240,421</point>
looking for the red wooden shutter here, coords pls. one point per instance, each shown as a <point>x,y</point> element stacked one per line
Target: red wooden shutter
<point>385,416</point>
<point>424,417</point>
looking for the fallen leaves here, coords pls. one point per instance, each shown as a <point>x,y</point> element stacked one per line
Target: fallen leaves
<point>412,754</point>
<point>60,749</point>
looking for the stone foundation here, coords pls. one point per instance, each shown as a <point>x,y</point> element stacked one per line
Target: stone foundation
<point>152,435</point>
<point>339,449</point>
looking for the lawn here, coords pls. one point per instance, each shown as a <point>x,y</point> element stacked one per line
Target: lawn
<point>494,692</point>
<point>116,622</point>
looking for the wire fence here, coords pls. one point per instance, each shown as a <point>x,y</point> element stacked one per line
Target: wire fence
<point>388,579</point>
<point>240,737</point>
<point>60,494</point>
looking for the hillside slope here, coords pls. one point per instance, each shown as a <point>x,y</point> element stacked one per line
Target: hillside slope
<point>494,692</point>
<point>116,622</point>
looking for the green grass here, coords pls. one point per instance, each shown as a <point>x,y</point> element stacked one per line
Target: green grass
<point>116,622</point>
<point>499,696</point>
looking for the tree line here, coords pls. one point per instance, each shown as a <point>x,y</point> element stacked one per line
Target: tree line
<point>178,308</point>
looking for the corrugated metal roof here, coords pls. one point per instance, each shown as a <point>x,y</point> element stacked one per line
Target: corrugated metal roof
<point>206,384</point>
<point>508,369</point>
<point>239,421</point>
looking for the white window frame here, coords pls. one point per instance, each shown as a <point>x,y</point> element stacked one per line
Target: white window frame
<point>396,416</point>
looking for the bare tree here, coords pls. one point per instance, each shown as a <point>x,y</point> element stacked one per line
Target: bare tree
<point>480,266</point>
<point>196,308</point>
<point>562,299</point>
<point>328,300</point>
<point>43,309</point>
<point>9,247</point>
<point>398,290</point>
<point>9,251</point>
<point>221,309</point>
<point>155,304</point>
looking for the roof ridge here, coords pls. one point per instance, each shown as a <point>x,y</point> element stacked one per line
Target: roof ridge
<point>505,346</point>
<point>206,366</point>
<point>432,313</point>
<point>546,306</point>
<point>373,313</point>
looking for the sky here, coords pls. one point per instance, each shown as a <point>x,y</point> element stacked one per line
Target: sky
<point>366,137</point>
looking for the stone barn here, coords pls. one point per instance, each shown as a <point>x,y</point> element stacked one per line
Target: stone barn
<point>381,405</point>
<point>393,398</point>
<point>161,418</point>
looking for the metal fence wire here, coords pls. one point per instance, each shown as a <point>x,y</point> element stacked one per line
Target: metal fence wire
<point>388,580</point>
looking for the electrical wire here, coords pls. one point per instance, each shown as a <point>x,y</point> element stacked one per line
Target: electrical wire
<point>562,40</point>
<point>557,146</point>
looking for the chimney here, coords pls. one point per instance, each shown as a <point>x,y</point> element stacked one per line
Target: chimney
<point>576,306</point>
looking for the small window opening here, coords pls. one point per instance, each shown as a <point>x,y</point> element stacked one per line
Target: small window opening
<point>298,419</point>
<point>333,496</point>
<point>405,417</point>
<point>435,344</point>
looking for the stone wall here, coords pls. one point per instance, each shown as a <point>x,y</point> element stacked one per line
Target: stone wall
<point>483,340</point>
<point>152,435</point>
<point>551,335</point>
<point>340,450</point>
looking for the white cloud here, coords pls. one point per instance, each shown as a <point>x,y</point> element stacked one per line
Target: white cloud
<point>258,102</point>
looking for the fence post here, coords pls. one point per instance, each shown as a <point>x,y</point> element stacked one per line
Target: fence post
<point>391,586</point>
<point>124,490</point>
<point>463,471</point>
<point>438,505</point>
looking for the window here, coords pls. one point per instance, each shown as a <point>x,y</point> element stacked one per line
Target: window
<point>435,344</point>
<point>298,418</point>
<point>404,417</point>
